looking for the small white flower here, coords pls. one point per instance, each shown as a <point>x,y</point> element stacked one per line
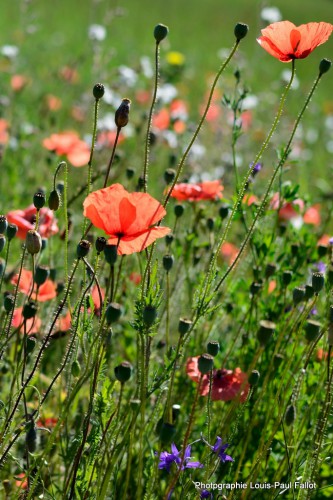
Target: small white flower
<point>111,97</point>
<point>97,32</point>
<point>250,102</point>
<point>127,76</point>
<point>166,93</point>
<point>271,14</point>
<point>146,66</point>
<point>10,51</point>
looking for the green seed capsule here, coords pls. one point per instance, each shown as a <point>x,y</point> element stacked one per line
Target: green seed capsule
<point>290,415</point>
<point>213,348</point>
<point>160,32</point>
<point>123,372</point>
<point>54,200</point>
<point>33,242</point>
<point>98,91</point>
<point>205,363</point>
<point>241,30</point>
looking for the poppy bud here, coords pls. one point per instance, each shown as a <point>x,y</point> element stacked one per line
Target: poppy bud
<point>41,274</point>
<point>8,302</point>
<point>82,249</point>
<point>54,200</point>
<point>213,348</point>
<point>255,288</point>
<point>113,312</point>
<point>168,261</point>
<point>223,211</point>
<point>167,432</point>
<point>265,331</point>
<point>322,250</point>
<point>29,310</point>
<point>98,91</point>
<point>122,113</point>
<point>31,437</point>
<point>75,368</point>
<point>324,66</point>
<point>184,325</point>
<point>149,315</point>
<point>254,378</point>
<point>33,242</point>
<point>31,344</point>
<point>277,360</point>
<point>210,224</point>
<point>39,200</point>
<point>287,277</point>
<point>11,231</point>
<point>270,270</point>
<point>110,254</point>
<point>312,329</point>
<point>318,281</point>
<point>169,175</point>
<point>2,242</point>
<point>3,224</point>
<point>241,31</point>
<point>175,411</point>
<point>160,32</point>
<point>169,239</point>
<point>309,292</point>
<point>298,294</point>
<point>130,173</point>
<point>205,363</point>
<point>100,244</point>
<point>178,210</point>
<point>290,415</point>
<point>123,372</point>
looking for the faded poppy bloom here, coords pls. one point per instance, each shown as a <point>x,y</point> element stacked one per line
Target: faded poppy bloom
<point>32,325</point>
<point>286,42</point>
<point>25,221</point>
<point>127,218</point>
<point>208,190</point>
<point>69,144</point>
<point>167,459</point>
<point>46,291</point>
<point>226,385</point>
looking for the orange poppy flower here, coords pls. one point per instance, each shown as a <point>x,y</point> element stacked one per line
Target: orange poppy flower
<point>208,190</point>
<point>32,325</point>
<point>229,252</point>
<point>25,220</point>
<point>226,384</point>
<point>4,136</point>
<point>47,291</point>
<point>312,215</point>
<point>69,144</point>
<point>127,218</point>
<point>286,42</point>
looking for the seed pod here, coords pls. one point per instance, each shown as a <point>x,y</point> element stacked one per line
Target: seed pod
<point>31,437</point>
<point>298,294</point>
<point>41,275</point>
<point>8,302</point>
<point>3,224</point>
<point>122,113</point>
<point>265,331</point>
<point>33,242</point>
<point>210,224</point>
<point>160,32</point>
<point>309,292</point>
<point>205,363</point>
<point>312,329</point>
<point>241,30</point>
<point>130,173</point>
<point>100,244</point>
<point>39,200</point>
<point>166,432</point>
<point>184,325</point>
<point>287,277</point>
<point>110,254</point>
<point>324,66</point>
<point>98,91</point>
<point>29,310</point>
<point>169,175</point>
<point>11,231</point>
<point>168,261</point>
<point>254,378</point>
<point>223,211</point>
<point>2,242</point>
<point>123,372</point>
<point>213,348</point>
<point>290,415</point>
<point>113,313</point>
<point>54,200</point>
<point>82,249</point>
<point>270,270</point>
<point>178,210</point>
<point>318,282</point>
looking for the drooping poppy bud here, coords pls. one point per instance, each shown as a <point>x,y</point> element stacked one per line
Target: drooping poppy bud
<point>122,113</point>
<point>33,242</point>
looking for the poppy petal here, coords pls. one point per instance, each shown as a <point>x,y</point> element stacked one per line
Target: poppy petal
<point>137,243</point>
<point>127,215</point>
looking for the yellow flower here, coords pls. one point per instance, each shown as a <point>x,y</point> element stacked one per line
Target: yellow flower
<point>175,58</point>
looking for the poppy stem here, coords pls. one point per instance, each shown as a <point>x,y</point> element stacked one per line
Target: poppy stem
<point>146,160</point>
<point>112,157</point>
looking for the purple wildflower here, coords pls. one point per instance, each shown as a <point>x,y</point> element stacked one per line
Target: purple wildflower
<point>167,459</point>
<point>321,266</point>
<point>330,241</point>
<point>206,494</point>
<point>256,169</point>
<point>220,448</point>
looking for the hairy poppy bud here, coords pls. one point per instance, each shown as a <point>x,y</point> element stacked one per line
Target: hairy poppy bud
<point>110,253</point>
<point>11,231</point>
<point>8,302</point>
<point>324,66</point>
<point>223,211</point>
<point>290,415</point>
<point>241,31</point>
<point>254,378</point>
<point>205,363</point>
<point>178,210</point>
<point>168,261</point>
<point>122,113</point>
<point>149,315</point>
<point>33,242</point>
<point>2,242</point>
<point>318,282</point>
<point>29,310</point>
<point>265,331</point>
<point>82,249</point>
<point>123,372</point>
<point>3,224</point>
<point>184,325</point>
<point>160,32</point>
<point>213,347</point>
<point>54,200</point>
<point>39,200</point>
<point>98,91</point>
<point>75,368</point>
<point>41,275</point>
<point>312,329</point>
<point>113,312</point>
<point>100,244</point>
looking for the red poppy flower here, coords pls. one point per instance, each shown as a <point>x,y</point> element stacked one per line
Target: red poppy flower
<point>21,481</point>
<point>312,215</point>
<point>226,384</point>
<point>32,325</point>
<point>49,422</point>
<point>4,136</point>
<point>287,210</point>
<point>324,240</point>
<point>161,120</point>
<point>25,220</point>
<point>46,292</point>
<point>229,252</point>
<point>208,190</point>
<point>127,218</point>
<point>286,42</point>
<point>69,144</point>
